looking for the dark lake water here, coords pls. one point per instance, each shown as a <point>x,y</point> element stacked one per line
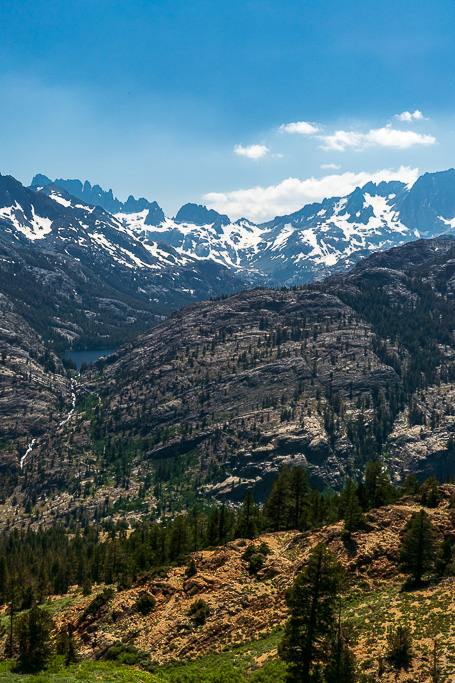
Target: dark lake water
<point>88,356</point>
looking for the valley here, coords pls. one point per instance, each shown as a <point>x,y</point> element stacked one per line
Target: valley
<point>145,458</point>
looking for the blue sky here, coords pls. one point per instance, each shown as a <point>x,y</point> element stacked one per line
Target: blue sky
<point>191,100</point>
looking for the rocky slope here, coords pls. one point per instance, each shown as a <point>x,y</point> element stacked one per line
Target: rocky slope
<point>220,396</point>
<point>34,388</point>
<point>247,607</point>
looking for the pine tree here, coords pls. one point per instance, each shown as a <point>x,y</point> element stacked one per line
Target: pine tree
<point>444,560</point>
<point>33,634</point>
<point>410,486</point>
<point>418,547</point>
<point>278,505</point>
<point>377,483</point>
<point>223,524</point>
<point>3,579</point>
<point>429,492</point>
<point>314,512</point>
<point>341,665</point>
<point>299,488</point>
<point>350,510</point>
<point>178,542</point>
<point>248,520</point>
<point>312,601</point>
<point>71,655</point>
<point>213,527</point>
<point>399,642</point>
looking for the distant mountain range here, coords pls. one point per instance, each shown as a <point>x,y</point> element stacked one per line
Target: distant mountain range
<point>304,246</point>
<point>326,376</point>
<point>83,279</point>
<point>95,272</point>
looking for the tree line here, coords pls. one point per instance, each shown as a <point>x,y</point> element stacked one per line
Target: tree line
<point>37,563</point>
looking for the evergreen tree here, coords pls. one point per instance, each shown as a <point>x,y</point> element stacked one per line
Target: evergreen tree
<point>223,524</point>
<point>213,527</point>
<point>429,492</point>
<point>312,602</point>
<point>444,560</point>
<point>362,495</point>
<point>418,547</point>
<point>71,655</point>
<point>410,486</point>
<point>33,634</point>
<point>248,520</point>
<point>399,642</point>
<point>341,665</point>
<point>277,507</point>
<point>299,489</point>
<point>178,543</point>
<point>314,513</point>
<point>13,595</point>
<point>350,510</point>
<point>378,487</point>
<point>3,580</point>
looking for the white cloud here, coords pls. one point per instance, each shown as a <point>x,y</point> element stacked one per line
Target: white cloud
<point>263,203</point>
<point>300,127</point>
<point>382,137</point>
<point>410,117</point>
<point>335,167</point>
<point>252,151</point>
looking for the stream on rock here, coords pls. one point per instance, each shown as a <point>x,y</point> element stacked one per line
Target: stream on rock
<point>60,424</point>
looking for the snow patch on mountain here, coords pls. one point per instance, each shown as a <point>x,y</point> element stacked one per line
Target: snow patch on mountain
<point>34,228</point>
<point>318,239</point>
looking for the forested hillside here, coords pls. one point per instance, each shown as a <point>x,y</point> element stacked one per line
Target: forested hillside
<point>215,400</point>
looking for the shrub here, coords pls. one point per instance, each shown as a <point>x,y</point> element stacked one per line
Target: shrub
<point>256,563</point>
<point>191,570</point>
<point>249,552</point>
<point>145,603</point>
<point>264,548</point>
<point>256,557</point>
<point>96,604</point>
<point>199,611</point>
<point>128,654</point>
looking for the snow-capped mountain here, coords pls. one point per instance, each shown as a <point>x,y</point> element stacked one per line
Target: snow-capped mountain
<point>307,245</point>
<point>319,238</point>
<point>105,199</point>
<point>49,219</point>
<point>91,277</point>
<point>333,235</point>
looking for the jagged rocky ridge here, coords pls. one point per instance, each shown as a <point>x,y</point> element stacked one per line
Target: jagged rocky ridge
<point>307,245</point>
<point>106,284</point>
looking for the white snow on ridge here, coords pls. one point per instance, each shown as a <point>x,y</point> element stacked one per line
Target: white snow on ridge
<point>228,245</point>
<point>283,237</point>
<point>449,222</point>
<point>60,200</point>
<point>384,215</point>
<point>35,228</point>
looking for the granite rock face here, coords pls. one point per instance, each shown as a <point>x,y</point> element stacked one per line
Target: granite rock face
<point>217,398</point>
<point>34,388</point>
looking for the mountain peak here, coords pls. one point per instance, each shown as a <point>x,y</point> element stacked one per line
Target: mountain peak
<point>200,215</point>
<point>40,180</point>
<point>94,194</point>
